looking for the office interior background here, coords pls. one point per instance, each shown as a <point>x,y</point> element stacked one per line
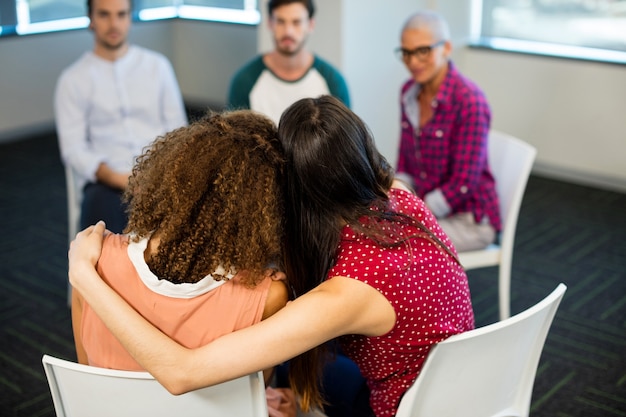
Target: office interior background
<point>572,110</point>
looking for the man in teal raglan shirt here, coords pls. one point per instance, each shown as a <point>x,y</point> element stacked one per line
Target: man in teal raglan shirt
<point>270,82</point>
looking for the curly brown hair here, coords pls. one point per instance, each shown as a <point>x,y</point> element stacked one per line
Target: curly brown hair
<point>212,194</point>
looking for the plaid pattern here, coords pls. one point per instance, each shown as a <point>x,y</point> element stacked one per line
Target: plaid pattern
<point>450,152</point>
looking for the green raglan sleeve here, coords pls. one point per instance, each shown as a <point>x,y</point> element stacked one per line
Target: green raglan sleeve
<point>242,83</point>
<point>237,95</point>
<point>336,83</point>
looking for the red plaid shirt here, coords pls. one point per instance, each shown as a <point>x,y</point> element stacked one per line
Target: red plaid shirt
<point>450,152</point>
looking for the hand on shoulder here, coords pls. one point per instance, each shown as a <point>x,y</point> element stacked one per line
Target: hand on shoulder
<point>85,251</point>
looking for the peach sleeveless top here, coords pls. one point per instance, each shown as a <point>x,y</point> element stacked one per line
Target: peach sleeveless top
<point>191,314</point>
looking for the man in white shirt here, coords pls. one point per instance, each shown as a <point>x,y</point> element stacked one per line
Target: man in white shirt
<point>110,104</point>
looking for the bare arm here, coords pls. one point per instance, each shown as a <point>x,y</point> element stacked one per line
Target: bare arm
<point>338,306</point>
<point>277,298</point>
<point>77,313</point>
<point>114,179</point>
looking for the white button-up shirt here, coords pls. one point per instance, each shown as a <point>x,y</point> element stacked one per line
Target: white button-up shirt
<point>108,111</point>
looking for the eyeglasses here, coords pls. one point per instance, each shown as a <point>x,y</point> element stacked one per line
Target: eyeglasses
<point>421,52</point>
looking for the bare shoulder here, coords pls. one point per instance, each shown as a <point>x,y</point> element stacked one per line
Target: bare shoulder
<point>277,298</point>
<point>367,310</point>
<point>402,185</point>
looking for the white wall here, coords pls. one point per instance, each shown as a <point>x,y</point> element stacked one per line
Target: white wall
<point>206,55</point>
<point>572,111</point>
<point>32,64</point>
<point>371,33</point>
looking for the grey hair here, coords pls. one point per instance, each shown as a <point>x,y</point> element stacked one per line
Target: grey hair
<point>431,21</point>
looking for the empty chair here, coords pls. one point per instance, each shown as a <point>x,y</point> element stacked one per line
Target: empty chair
<point>511,160</point>
<point>86,391</point>
<point>486,372</point>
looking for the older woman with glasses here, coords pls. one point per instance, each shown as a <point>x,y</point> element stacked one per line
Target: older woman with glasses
<point>443,143</point>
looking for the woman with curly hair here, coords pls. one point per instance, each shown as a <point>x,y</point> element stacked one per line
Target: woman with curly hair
<point>205,227</point>
<point>369,262</point>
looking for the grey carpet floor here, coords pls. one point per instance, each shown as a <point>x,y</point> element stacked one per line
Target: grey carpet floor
<point>566,233</point>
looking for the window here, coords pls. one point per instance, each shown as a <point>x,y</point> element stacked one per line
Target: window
<point>584,29</point>
<point>37,16</point>
<point>240,11</point>
<point>234,11</point>
<point>8,19</point>
<point>23,17</point>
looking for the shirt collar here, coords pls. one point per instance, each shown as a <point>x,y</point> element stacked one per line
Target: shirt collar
<point>165,287</point>
<point>409,98</point>
<point>445,89</point>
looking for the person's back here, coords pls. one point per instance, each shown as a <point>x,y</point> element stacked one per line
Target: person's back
<point>193,314</point>
<point>270,82</point>
<point>110,104</point>
<point>197,261</point>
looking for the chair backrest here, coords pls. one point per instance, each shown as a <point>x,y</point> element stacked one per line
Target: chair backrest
<point>486,372</point>
<point>74,199</point>
<point>81,390</point>
<point>510,160</point>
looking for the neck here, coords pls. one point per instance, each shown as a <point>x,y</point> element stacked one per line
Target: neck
<point>432,86</point>
<point>289,67</point>
<point>153,247</point>
<point>111,54</point>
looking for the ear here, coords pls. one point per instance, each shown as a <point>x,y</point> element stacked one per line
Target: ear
<point>276,275</point>
<point>447,49</point>
<point>311,24</point>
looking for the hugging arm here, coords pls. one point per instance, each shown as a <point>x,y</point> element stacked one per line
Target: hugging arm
<point>77,313</point>
<point>338,306</point>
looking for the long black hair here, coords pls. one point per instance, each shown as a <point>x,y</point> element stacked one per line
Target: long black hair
<point>334,176</point>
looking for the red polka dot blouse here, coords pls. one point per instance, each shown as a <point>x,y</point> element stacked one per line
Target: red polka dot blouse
<point>427,289</point>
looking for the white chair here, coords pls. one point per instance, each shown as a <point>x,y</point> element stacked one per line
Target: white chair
<point>511,160</point>
<point>486,372</point>
<point>86,391</point>
<point>74,201</point>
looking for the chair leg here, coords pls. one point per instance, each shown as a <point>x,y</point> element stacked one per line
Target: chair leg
<point>504,288</point>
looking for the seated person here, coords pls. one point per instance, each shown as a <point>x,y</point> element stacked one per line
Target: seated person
<point>194,261</point>
<point>444,133</point>
<point>270,82</point>
<point>108,105</point>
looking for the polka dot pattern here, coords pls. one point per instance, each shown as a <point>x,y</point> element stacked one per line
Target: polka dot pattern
<point>428,291</point>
